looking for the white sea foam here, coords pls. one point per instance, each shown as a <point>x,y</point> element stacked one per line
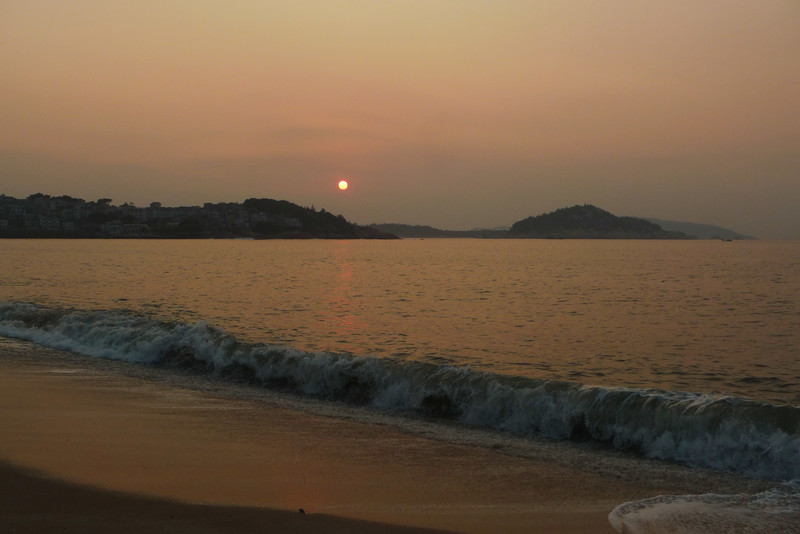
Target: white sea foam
<point>719,432</point>
<point>771,512</point>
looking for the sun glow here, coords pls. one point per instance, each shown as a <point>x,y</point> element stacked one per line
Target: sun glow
<point>343,185</point>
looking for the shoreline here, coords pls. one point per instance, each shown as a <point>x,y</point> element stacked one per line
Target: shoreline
<point>107,425</point>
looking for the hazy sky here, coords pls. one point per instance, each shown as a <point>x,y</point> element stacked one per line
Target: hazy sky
<point>456,114</point>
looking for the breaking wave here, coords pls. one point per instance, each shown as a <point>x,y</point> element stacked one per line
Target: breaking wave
<point>724,433</point>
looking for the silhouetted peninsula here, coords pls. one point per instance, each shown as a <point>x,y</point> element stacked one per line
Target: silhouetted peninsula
<point>41,215</point>
<point>577,222</point>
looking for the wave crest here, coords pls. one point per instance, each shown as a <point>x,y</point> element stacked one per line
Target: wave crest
<point>718,432</point>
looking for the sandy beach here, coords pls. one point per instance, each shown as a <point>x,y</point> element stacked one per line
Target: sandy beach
<point>87,444</point>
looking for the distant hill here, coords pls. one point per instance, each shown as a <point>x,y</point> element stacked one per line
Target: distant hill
<point>589,222</point>
<point>417,231</point>
<point>700,231</point>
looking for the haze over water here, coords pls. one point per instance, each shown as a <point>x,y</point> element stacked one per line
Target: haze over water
<point>455,115</point>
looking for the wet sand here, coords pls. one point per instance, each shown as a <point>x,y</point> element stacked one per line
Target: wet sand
<point>32,503</point>
<point>112,428</point>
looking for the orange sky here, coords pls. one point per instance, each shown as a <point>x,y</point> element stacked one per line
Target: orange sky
<point>456,114</point>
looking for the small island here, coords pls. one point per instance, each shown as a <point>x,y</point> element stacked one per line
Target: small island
<point>43,216</point>
<point>589,222</point>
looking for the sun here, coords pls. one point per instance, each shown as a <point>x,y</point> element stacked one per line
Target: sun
<point>343,184</point>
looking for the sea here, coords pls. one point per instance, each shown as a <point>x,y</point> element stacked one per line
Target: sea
<point>676,351</point>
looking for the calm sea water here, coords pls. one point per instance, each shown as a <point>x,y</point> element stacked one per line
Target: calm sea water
<point>698,316</point>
